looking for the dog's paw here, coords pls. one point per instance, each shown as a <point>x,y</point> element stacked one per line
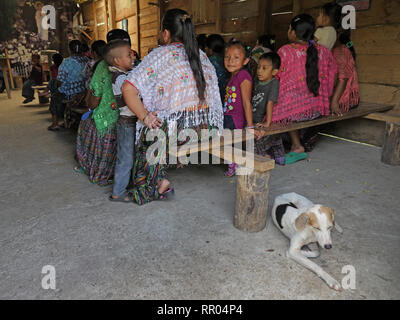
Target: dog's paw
<point>333,284</point>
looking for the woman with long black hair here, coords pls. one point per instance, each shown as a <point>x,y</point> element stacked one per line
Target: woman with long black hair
<point>307,76</point>
<point>179,88</point>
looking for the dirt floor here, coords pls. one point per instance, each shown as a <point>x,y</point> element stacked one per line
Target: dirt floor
<point>186,248</point>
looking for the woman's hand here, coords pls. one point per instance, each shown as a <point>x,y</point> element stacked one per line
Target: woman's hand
<point>335,108</point>
<point>152,121</point>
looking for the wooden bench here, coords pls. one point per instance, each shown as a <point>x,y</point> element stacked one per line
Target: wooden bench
<point>252,189</point>
<point>391,144</point>
<point>40,90</point>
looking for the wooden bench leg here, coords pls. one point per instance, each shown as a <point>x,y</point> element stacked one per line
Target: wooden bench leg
<point>252,201</point>
<point>391,144</point>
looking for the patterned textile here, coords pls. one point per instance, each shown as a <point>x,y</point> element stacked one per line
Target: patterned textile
<point>233,105</point>
<point>70,74</point>
<point>148,175</point>
<point>347,70</point>
<point>88,72</point>
<point>117,79</point>
<point>295,99</point>
<point>165,81</point>
<point>272,146</point>
<point>106,114</point>
<point>96,155</point>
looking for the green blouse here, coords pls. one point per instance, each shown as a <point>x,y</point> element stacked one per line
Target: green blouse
<point>106,114</point>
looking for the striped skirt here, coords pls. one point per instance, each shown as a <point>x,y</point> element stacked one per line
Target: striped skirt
<point>147,174</point>
<point>96,155</point>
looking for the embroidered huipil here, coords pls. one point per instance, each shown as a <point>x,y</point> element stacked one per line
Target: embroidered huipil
<point>347,70</point>
<point>295,99</point>
<point>166,83</point>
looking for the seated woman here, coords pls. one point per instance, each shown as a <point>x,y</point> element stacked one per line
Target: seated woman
<point>346,95</point>
<point>96,143</point>
<point>307,75</point>
<point>71,80</point>
<point>180,90</point>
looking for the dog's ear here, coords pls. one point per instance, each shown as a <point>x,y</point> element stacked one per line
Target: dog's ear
<point>301,221</point>
<point>331,215</point>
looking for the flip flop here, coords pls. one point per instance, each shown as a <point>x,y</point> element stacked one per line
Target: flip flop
<point>122,198</point>
<point>293,157</point>
<point>169,194</point>
<point>79,170</point>
<point>51,128</point>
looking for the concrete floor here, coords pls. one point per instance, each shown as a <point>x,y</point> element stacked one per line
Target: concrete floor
<point>187,248</point>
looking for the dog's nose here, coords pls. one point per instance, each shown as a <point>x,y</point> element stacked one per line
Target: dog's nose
<point>328,246</point>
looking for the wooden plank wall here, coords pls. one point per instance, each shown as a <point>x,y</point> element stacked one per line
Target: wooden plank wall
<point>127,9</point>
<point>377,43</point>
<point>242,20</point>
<point>149,26</point>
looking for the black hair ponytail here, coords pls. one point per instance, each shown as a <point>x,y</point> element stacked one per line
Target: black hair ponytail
<point>181,27</point>
<point>76,47</point>
<point>304,27</point>
<point>345,38</point>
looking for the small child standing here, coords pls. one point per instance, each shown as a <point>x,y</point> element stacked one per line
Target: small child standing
<point>327,22</point>
<point>237,105</point>
<point>118,55</point>
<point>265,95</point>
<point>215,47</point>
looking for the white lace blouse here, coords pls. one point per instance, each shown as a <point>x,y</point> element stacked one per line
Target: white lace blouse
<point>166,83</point>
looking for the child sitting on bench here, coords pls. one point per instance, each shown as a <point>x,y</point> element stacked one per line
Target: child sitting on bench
<point>307,77</point>
<point>346,95</point>
<point>36,78</point>
<point>265,95</point>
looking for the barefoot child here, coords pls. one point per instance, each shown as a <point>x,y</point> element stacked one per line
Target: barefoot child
<point>237,105</point>
<point>265,95</point>
<point>118,55</point>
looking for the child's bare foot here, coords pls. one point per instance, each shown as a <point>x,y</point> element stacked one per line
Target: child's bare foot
<point>297,149</point>
<point>163,186</point>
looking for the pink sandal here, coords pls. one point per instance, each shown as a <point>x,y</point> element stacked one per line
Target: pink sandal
<point>231,170</point>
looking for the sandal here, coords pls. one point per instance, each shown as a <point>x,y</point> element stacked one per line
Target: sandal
<point>169,194</point>
<point>79,170</point>
<point>293,157</point>
<point>123,198</point>
<point>231,170</point>
<point>51,128</point>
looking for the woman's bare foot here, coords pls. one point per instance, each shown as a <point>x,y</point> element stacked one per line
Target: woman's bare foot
<point>297,149</point>
<point>163,186</point>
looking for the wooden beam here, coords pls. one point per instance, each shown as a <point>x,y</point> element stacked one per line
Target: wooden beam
<point>96,32</point>
<point>218,16</point>
<point>112,14</point>
<point>10,70</point>
<point>105,4</point>
<point>296,7</point>
<point>138,28</point>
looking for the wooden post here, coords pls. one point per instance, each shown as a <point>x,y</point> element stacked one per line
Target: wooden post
<point>296,7</point>
<point>96,32</point>
<point>391,144</point>
<point>5,77</point>
<point>218,17</point>
<point>10,70</point>
<point>252,201</point>
<point>111,8</point>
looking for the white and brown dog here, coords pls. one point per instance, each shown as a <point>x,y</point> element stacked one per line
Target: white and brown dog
<point>303,223</point>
